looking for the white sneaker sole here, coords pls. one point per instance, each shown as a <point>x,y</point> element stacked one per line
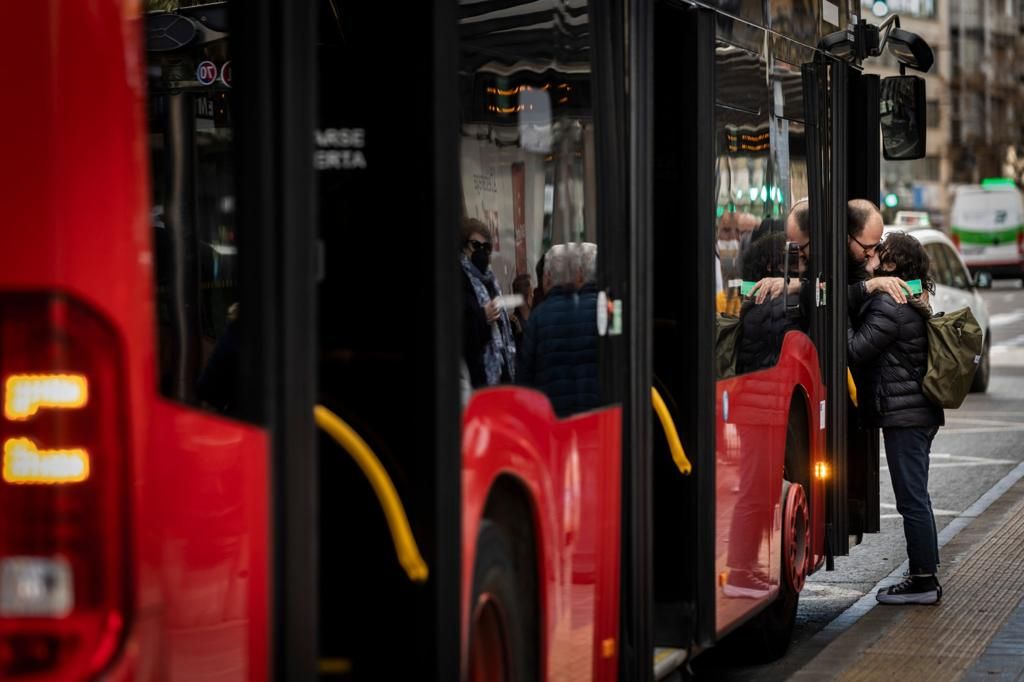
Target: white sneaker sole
<point>917,598</point>
<point>735,591</point>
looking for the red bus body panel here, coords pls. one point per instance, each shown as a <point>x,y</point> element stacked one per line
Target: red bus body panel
<point>571,470</point>
<point>77,221</point>
<point>751,453</point>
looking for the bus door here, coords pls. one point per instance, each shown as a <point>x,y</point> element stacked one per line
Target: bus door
<point>683,315</point>
<point>862,177</point>
<point>720,563</point>
<point>540,249</point>
<point>227,551</point>
<point>386,352</point>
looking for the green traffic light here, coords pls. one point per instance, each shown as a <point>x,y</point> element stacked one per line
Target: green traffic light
<point>891,200</point>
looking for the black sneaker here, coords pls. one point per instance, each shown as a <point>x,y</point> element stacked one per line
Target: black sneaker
<point>914,589</point>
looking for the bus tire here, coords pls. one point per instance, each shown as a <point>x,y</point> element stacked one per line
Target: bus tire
<point>500,644</point>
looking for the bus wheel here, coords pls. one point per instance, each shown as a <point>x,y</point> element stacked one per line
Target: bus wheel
<point>768,635</point>
<point>796,536</point>
<point>499,640</point>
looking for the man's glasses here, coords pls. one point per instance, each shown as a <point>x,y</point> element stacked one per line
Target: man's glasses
<point>477,245</point>
<point>869,249</point>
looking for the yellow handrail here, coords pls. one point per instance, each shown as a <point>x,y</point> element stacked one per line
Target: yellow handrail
<point>401,534</point>
<point>674,444</point>
<point>851,387</point>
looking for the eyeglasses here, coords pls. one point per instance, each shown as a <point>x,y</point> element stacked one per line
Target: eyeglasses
<point>477,245</point>
<point>868,248</point>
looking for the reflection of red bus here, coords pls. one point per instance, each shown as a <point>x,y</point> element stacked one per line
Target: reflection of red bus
<point>180,286</point>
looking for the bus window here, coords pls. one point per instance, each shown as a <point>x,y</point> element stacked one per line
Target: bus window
<point>762,175</point>
<point>527,246</point>
<point>193,212</point>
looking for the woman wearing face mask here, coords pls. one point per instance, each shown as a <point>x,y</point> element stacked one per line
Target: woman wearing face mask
<point>488,347</point>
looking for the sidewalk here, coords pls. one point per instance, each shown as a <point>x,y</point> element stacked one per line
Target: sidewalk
<point>975,633</point>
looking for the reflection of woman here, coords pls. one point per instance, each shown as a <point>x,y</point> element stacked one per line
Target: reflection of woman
<point>763,326</point>
<point>759,405</point>
<point>488,347</point>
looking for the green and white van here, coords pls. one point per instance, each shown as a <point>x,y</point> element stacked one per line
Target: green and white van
<point>987,223</point>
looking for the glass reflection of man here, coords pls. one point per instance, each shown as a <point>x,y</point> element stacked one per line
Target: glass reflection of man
<point>798,231</point>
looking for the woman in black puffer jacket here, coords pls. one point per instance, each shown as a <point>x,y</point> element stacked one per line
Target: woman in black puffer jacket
<point>888,353</point>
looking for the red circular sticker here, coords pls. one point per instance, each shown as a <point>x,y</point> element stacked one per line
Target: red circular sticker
<point>225,73</point>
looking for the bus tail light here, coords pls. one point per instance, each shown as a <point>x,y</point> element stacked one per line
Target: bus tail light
<point>64,571</point>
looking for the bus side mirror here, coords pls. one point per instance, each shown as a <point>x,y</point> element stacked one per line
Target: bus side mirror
<point>903,117</point>
<point>983,280</point>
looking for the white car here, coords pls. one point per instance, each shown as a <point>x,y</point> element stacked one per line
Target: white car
<point>955,288</point>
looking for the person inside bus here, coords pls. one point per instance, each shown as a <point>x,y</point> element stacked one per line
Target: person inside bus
<point>488,347</point>
<point>559,352</point>
<point>727,248</point>
<point>887,347</point>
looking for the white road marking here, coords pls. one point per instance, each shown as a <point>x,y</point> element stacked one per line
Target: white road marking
<point>954,461</point>
<point>982,429</point>
<point>827,591</point>
<point>1008,344</point>
<point>937,512</point>
<point>978,420</point>
<point>1002,319</point>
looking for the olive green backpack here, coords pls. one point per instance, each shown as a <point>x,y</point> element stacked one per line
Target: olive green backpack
<point>954,351</point>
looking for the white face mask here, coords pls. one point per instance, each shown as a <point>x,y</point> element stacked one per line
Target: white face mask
<point>728,246</point>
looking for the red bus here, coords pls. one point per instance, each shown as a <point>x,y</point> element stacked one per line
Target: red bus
<point>237,446</point>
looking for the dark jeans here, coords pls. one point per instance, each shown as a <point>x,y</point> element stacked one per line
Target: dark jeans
<point>906,451</point>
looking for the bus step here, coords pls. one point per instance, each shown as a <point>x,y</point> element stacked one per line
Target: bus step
<point>667,660</point>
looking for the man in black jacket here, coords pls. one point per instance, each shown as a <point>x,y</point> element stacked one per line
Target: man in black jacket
<point>888,352</point>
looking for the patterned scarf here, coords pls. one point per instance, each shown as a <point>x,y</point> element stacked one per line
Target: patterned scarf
<point>501,349</point>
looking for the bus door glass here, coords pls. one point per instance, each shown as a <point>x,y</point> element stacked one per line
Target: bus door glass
<point>763,295</point>
<point>209,467</point>
<point>389,496</point>
<point>533,312</point>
